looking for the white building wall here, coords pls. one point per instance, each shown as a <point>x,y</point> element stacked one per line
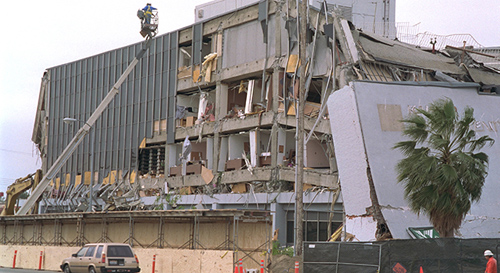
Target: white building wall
<point>377,16</point>
<point>364,118</point>
<point>351,162</point>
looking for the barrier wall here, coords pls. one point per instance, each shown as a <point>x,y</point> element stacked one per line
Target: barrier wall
<point>167,260</point>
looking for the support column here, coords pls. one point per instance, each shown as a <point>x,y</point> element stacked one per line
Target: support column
<point>279,222</point>
<point>216,153</point>
<point>221,95</point>
<point>275,87</point>
<point>299,176</point>
<point>170,158</point>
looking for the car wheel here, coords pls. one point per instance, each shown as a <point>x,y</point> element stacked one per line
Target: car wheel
<point>66,269</point>
<point>92,270</point>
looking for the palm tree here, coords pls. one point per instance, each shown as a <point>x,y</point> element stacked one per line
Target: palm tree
<point>442,171</point>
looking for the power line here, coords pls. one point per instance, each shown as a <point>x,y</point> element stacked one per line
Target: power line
<point>17,152</point>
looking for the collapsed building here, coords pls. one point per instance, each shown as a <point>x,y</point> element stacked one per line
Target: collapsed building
<point>207,119</point>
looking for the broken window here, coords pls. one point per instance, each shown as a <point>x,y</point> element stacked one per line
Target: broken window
<point>196,157</point>
<point>248,96</point>
<point>191,66</point>
<point>314,97</point>
<point>152,160</point>
<point>194,108</point>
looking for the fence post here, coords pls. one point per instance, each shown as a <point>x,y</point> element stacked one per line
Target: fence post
<point>14,262</point>
<point>40,263</point>
<point>154,262</point>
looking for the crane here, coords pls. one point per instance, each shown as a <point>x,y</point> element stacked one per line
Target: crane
<point>151,30</point>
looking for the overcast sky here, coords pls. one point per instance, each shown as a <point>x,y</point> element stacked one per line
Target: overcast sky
<point>42,34</point>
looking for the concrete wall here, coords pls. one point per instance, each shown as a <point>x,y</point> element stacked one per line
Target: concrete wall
<point>167,260</point>
<point>365,126</point>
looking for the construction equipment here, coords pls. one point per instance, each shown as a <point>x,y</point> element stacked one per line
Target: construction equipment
<point>17,188</point>
<point>150,28</point>
<point>84,130</point>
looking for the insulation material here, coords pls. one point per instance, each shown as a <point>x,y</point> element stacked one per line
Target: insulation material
<point>78,180</point>
<point>206,175</point>
<point>239,188</point>
<point>207,66</point>
<point>67,179</point>
<point>111,178</point>
<point>196,74</point>
<point>133,175</point>
<point>293,63</point>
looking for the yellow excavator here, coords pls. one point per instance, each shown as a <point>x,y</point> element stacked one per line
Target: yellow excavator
<point>17,188</point>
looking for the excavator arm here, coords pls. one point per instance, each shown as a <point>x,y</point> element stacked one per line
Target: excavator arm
<point>15,190</point>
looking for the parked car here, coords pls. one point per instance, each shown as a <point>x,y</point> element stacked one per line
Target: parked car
<point>102,257</point>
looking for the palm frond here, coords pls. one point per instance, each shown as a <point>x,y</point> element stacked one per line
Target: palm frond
<point>443,176</point>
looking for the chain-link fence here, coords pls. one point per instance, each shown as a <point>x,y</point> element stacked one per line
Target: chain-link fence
<point>400,256</point>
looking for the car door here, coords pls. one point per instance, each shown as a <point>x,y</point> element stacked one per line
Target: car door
<point>88,258</point>
<point>98,256</point>
<point>76,264</point>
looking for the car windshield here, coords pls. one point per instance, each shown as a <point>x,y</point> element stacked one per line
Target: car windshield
<point>119,251</point>
<point>82,251</point>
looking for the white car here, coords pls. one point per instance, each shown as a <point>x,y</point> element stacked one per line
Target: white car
<point>102,257</point>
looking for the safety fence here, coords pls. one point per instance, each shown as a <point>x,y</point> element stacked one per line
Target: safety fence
<point>401,256</point>
<point>241,234</point>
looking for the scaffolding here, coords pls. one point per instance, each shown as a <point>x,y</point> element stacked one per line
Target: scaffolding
<point>77,229</point>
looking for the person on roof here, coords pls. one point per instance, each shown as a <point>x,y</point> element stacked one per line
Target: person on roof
<point>491,266</point>
<point>148,12</point>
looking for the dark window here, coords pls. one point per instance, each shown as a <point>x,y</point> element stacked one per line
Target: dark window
<point>99,252</point>
<point>315,225</point>
<point>311,231</point>
<point>290,232</point>
<point>90,251</point>
<point>119,251</point>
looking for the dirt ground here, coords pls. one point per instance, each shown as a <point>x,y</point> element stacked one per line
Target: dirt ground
<point>284,264</point>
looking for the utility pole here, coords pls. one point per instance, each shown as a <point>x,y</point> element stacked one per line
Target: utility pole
<point>299,176</point>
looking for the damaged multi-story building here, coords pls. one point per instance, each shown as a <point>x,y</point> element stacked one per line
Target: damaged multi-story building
<point>207,118</point>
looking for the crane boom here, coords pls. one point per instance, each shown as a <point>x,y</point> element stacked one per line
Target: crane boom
<point>84,130</point>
